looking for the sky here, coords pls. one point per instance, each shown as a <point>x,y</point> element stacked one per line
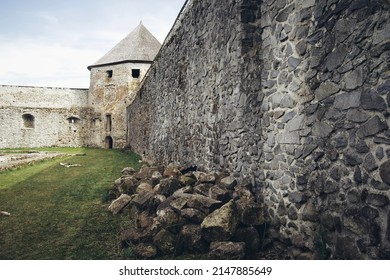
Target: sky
<point>50,43</point>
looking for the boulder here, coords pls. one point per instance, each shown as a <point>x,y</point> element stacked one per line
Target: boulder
<point>249,211</point>
<point>228,182</point>
<point>250,236</point>
<point>144,187</point>
<point>171,171</point>
<point>227,250</point>
<point>165,242</point>
<point>203,203</point>
<point>220,193</point>
<point>128,171</point>
<point>156,178</point>
<point>193,215</point>
<point>128,185</point>
<point>119,204</point>
<point>146,172</point>
<point>142,200</point>
<point>191,238</point>
<point>221,224</point>
<point>168,186</point>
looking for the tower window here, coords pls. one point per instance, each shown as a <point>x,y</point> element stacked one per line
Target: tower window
<point>109,73</point>
<point>28,121</point>
<point>108,123</point>
<point>73,120</point>
<point>135,73</point>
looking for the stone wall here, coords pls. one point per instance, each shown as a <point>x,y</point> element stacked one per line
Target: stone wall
<point>39,117</point>
<point>291,96</point>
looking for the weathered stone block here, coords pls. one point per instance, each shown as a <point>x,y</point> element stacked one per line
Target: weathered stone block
<point>384,172</point>
<point>326,89</point>
<point>227,251</point>
<point>220,224</point>
<point>119,204</point>
<point>372,127</point>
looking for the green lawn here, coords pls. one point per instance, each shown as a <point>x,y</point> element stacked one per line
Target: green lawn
<point>60,213</point>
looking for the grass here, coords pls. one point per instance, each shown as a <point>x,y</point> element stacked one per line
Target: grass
<point>59,213</point>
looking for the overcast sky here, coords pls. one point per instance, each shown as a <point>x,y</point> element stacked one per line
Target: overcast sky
<point>51,42</point>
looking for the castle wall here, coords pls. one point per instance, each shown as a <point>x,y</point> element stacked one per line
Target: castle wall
<point>39,117</point>
<point>292,95</point>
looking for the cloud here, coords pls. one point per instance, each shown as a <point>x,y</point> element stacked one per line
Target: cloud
<point>42,63</point>
<point>58,41</point>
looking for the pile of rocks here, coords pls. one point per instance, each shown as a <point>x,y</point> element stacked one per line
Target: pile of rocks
<point>174,211</point>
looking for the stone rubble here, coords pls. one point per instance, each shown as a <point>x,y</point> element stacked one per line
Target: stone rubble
<point>175,212</point>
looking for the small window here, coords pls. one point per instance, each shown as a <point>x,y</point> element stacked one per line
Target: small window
<point>28,121</point>
<point>73,120</point>
<point>109,73</point>
<point>135,73</point>
<point>108,123</point>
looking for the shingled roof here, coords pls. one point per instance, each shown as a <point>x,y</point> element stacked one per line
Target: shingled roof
<point>139,46</point>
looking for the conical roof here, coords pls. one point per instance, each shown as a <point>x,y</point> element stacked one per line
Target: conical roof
<point>139,46</point>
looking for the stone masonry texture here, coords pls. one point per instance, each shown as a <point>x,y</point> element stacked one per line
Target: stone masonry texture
<point>291,97</point>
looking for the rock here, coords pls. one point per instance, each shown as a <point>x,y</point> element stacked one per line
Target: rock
<point>347,100</point>
<point>128,171</point>
<point>250,236</point>
<point>378,200</point>
<point>187,180</point>
<point>250,212</point>
<point>172,171</point>
<point>142,200</point>
<point>193,215</point>
<point>191,238</point>
<point>357,116</point>
<point>293,63</point>
<point>165,242</point>
<point>326,89</point>
<point>168,186</point>
<point>227,250</point>
<point>207,178</point>
<point>221,224</point>
<point>336,58</point>
<point>168,219</point>
<point>369,212</point>
<point>119,204</point>
<point>220,194</point>
<point>156,178</point>
<point>371,127</point>
<point>228,182</point>
<point>283,14</point>
<point>354,79</point>
<point>297,197</point>
<point>369,163</point>
<point>144,187</point>
<point>128,185</point>
<point>384,172</point>
<point>144,220</point>
<point>203,203</point>
<point>146,172</point>
<point>321,129</point>
<point>310,212</point>
<point>146,250</point>
<point>372,101</point>
<point>202,189</point>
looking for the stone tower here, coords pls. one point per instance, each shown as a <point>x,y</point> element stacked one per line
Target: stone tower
<point>115,79</point>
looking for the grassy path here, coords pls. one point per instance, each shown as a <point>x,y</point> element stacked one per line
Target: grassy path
<point>57,212</point>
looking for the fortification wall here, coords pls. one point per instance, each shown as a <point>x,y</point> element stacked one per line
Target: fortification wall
<point>39,117</point>
<point>292,95</point>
